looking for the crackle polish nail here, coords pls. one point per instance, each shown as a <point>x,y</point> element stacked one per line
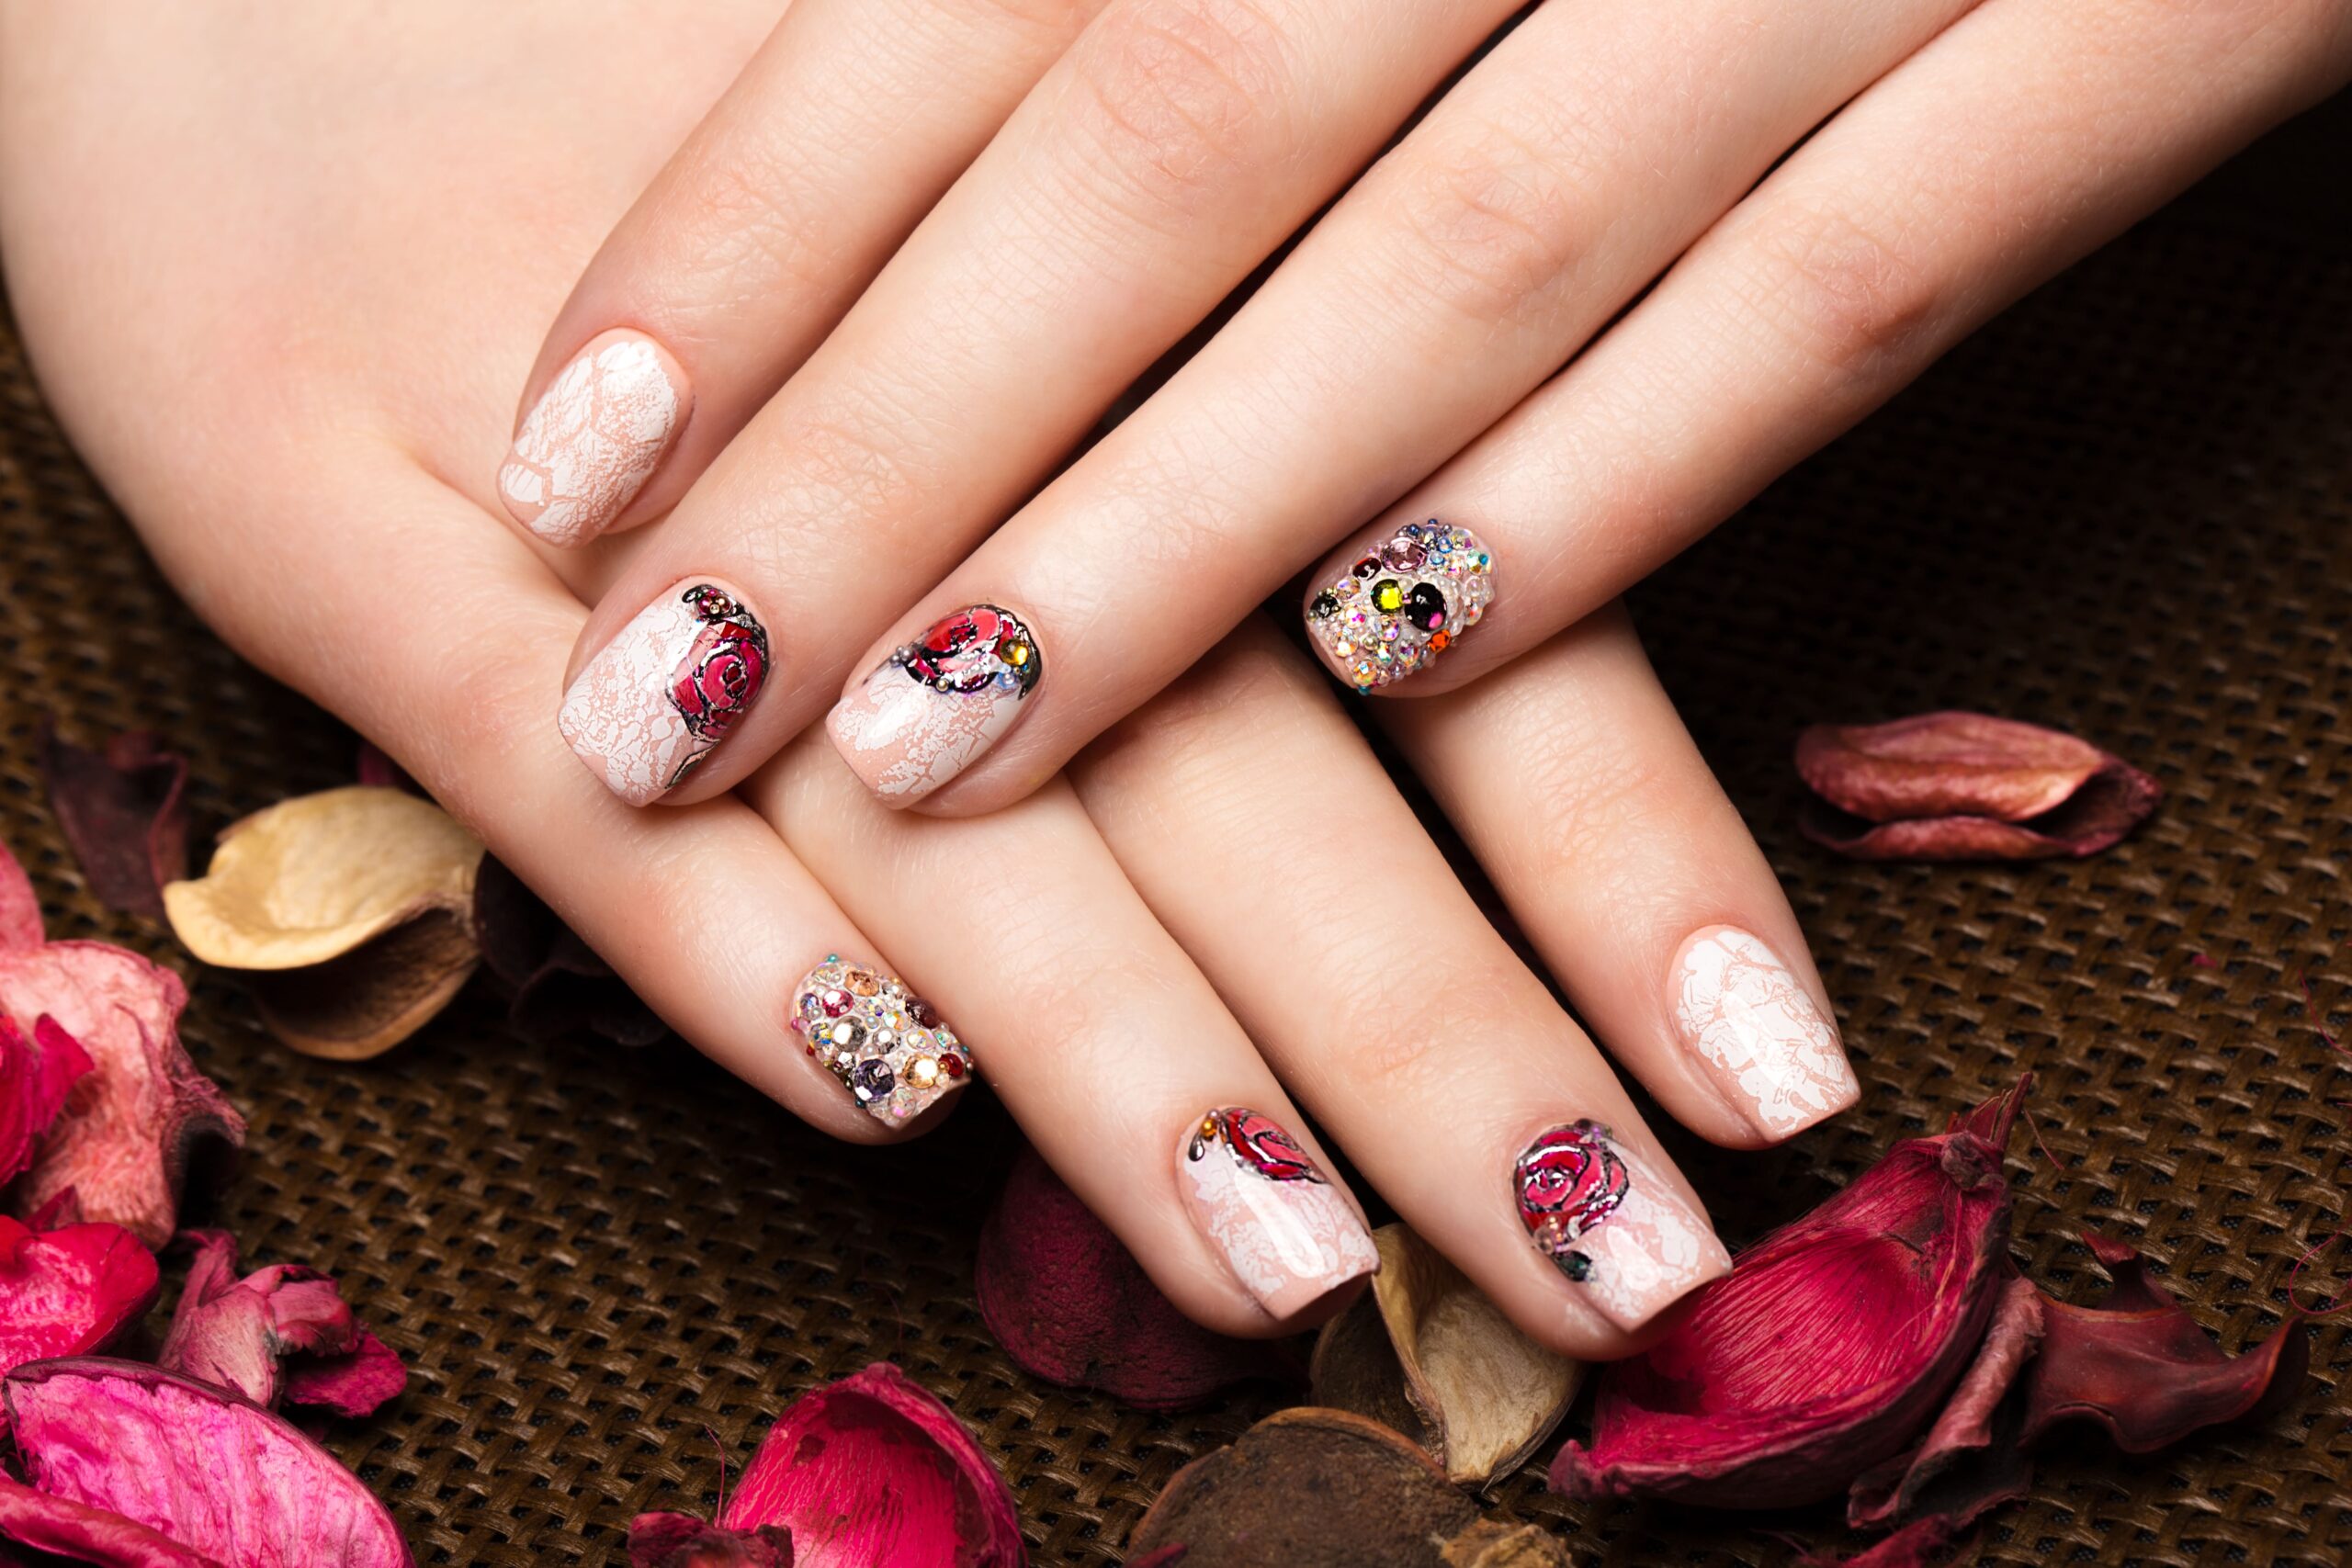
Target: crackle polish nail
<point>671,686</point>
<point>1286,1234</point>
<point>1757,1029</point>
<point>1404,602</point>
<point>1616,1230</point>
<point>921,714</point>
<point>594,437</point>
<point>888,1047</point>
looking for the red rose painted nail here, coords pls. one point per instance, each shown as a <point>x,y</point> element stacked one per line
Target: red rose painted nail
<point>668,689</point>
<point>1284,1233</point>
<point>1611,1224</point>
<point>923,714</point>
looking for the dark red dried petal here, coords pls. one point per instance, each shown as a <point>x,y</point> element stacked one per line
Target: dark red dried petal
<point>680,1541</point>
<point>1071,1306</point>
<point>555,984</point>
<point>124,812</point>
<point>1971,1461</point>
<point>36,1075</point>
<point>357,1382</point>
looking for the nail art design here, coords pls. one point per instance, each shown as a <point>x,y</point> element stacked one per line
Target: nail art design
<point>1286,1234</point>
<point>1402,604</point>
<point>926,711</point>
<point>890,1048</point>
<point>1611,1224</point>
<point>670,687</point>
<point>593,439</point>
<point>1760,1034</point>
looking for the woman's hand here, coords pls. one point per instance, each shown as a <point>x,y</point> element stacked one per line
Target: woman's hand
<point>1953,153</point>
<point>248,340</point>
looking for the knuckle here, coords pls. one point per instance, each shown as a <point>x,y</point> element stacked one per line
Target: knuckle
<point>1490,225</point>
<point>1175,98</point>
<point>1848,294</point>
<point>1410,1037</point>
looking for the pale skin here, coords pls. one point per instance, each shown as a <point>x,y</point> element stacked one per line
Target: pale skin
<point>293,359</point>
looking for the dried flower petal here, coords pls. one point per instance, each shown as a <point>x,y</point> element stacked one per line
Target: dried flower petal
<point>36,1075</point>
<point>1966,787</point>
<point>1830,1343</point>
<point>1311,1488</point>
<point>124,812</point>
<point>1426,1353</point>
<point>554,982</point>
<point>1971,1458</point>
<point>122,1146</point>
<point>216,1473</point>
<point>235,1333</point>
<point>357,1382</point>
<point>680,1541</point>
<point>67,1291</point>
<point>72,1530</point>
<point>354,904</point>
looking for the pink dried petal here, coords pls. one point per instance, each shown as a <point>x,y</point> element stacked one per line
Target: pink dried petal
<point>20,922</point>
<point>680,1541</point>
<point>49,1524</point>
<point>357,1382</point>
<point>123,812</point>
<point>873,1469</point>
<point>1071,1306</point>
<point>1966,787</point>
<point>1830,1345</point>
<point>130,1127</point>
<point>216,1473</point>
<point>67,1293</point>
<point>236,1333</point>
<point>36,1075</point>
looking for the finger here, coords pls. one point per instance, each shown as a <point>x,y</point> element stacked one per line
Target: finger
<point>1175,145</point>
<point>1389,1004</point>
<point>705,914</point>
<point>1459,273</point>
<point>754,239</point>
<point>1636,880</point>
<point>1118,1059</point>
<point>2012,145</point>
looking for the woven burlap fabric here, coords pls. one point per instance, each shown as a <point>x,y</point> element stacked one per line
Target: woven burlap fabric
<point>2123,510</point>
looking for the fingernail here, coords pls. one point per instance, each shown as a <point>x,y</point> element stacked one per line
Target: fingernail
<point>671,686</point>
<point>1286,1234</point>
<point>594,437</point>
<point>921,714</point>
<point>1402,604</point>
<point>888,1047</point>
<point>1773,1054</point>
<point>1617,1231</point>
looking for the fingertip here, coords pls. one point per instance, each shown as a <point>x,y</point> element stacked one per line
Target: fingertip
<point>584,450</point>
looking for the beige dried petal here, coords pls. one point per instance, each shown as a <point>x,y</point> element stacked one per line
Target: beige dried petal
<point>1426,1353</point>
<point>312,878</point>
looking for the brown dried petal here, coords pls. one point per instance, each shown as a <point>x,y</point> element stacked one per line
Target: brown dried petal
<point>124,812</point>
<point>1315,1488</point>
<point>364,1003</point>
<point>1426,1353</point>
<point>555,984</point>
<point>1966,787</point>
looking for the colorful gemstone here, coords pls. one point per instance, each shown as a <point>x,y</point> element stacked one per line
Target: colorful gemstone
<point>1388,595</point>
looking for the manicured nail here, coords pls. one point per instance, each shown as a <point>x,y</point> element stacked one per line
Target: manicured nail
<point>921,714</point>
<point>1773,1054</point>
<point>1402,604</point>
<point>1285,1233</point>
<point>594,437</point>
<point>647,709</point>
<point>1614,1227</point>
<point>890,1048</point>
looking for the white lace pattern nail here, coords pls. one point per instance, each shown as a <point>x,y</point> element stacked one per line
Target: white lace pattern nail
<point>1758,1032</point>
<point>1284,1232</point>
<point>592,440</point>
<point>923,714</point>
<point>667,689</point>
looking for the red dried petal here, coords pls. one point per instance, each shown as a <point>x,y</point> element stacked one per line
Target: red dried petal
<point>554,982</point>
<point>680,1541</point>
<point>36,1075</point>
<point>873,1469</point>
<point>251,1336</point>
<point>130,1127</point>
<point>20,922</point>
<point>1071,1306</point>
<point>49,1524</point>
<point>1966,787</point>
<point>124,813</point>
<point>69,1291</point>
<point>216,1473</point>
<point>358,1382</point>
<point>1971,1460</point>
<point>1830,1345</point>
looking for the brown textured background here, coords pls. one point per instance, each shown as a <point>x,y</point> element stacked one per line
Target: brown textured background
<point>2122,510</point>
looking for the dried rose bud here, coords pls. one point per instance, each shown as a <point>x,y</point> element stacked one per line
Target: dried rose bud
<point>869,1470</point>
<point>1966,787</point>
<point>1830,1344</point>
<point>281,1331</point>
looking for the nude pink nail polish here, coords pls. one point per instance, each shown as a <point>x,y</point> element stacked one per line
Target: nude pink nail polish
<point>666,691</point>
<point>1757,1032</point>
<point>594,437</point>
<point>1619,1232</point>
<point>923,714</point>
<point>1284,1232</point>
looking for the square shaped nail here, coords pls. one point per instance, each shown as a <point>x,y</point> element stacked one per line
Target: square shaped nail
<point>1401,603</point>
<point>1758,1033</point>
<point>921,715</point>
<point>669,687</point>
<point>594,437</point>
<point>890,1048</point>
<point>1284,1233</point>
<point>1617,1231</point>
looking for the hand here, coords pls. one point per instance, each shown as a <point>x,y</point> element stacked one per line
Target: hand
<point>1953,155</point>
<point>165,242</point>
